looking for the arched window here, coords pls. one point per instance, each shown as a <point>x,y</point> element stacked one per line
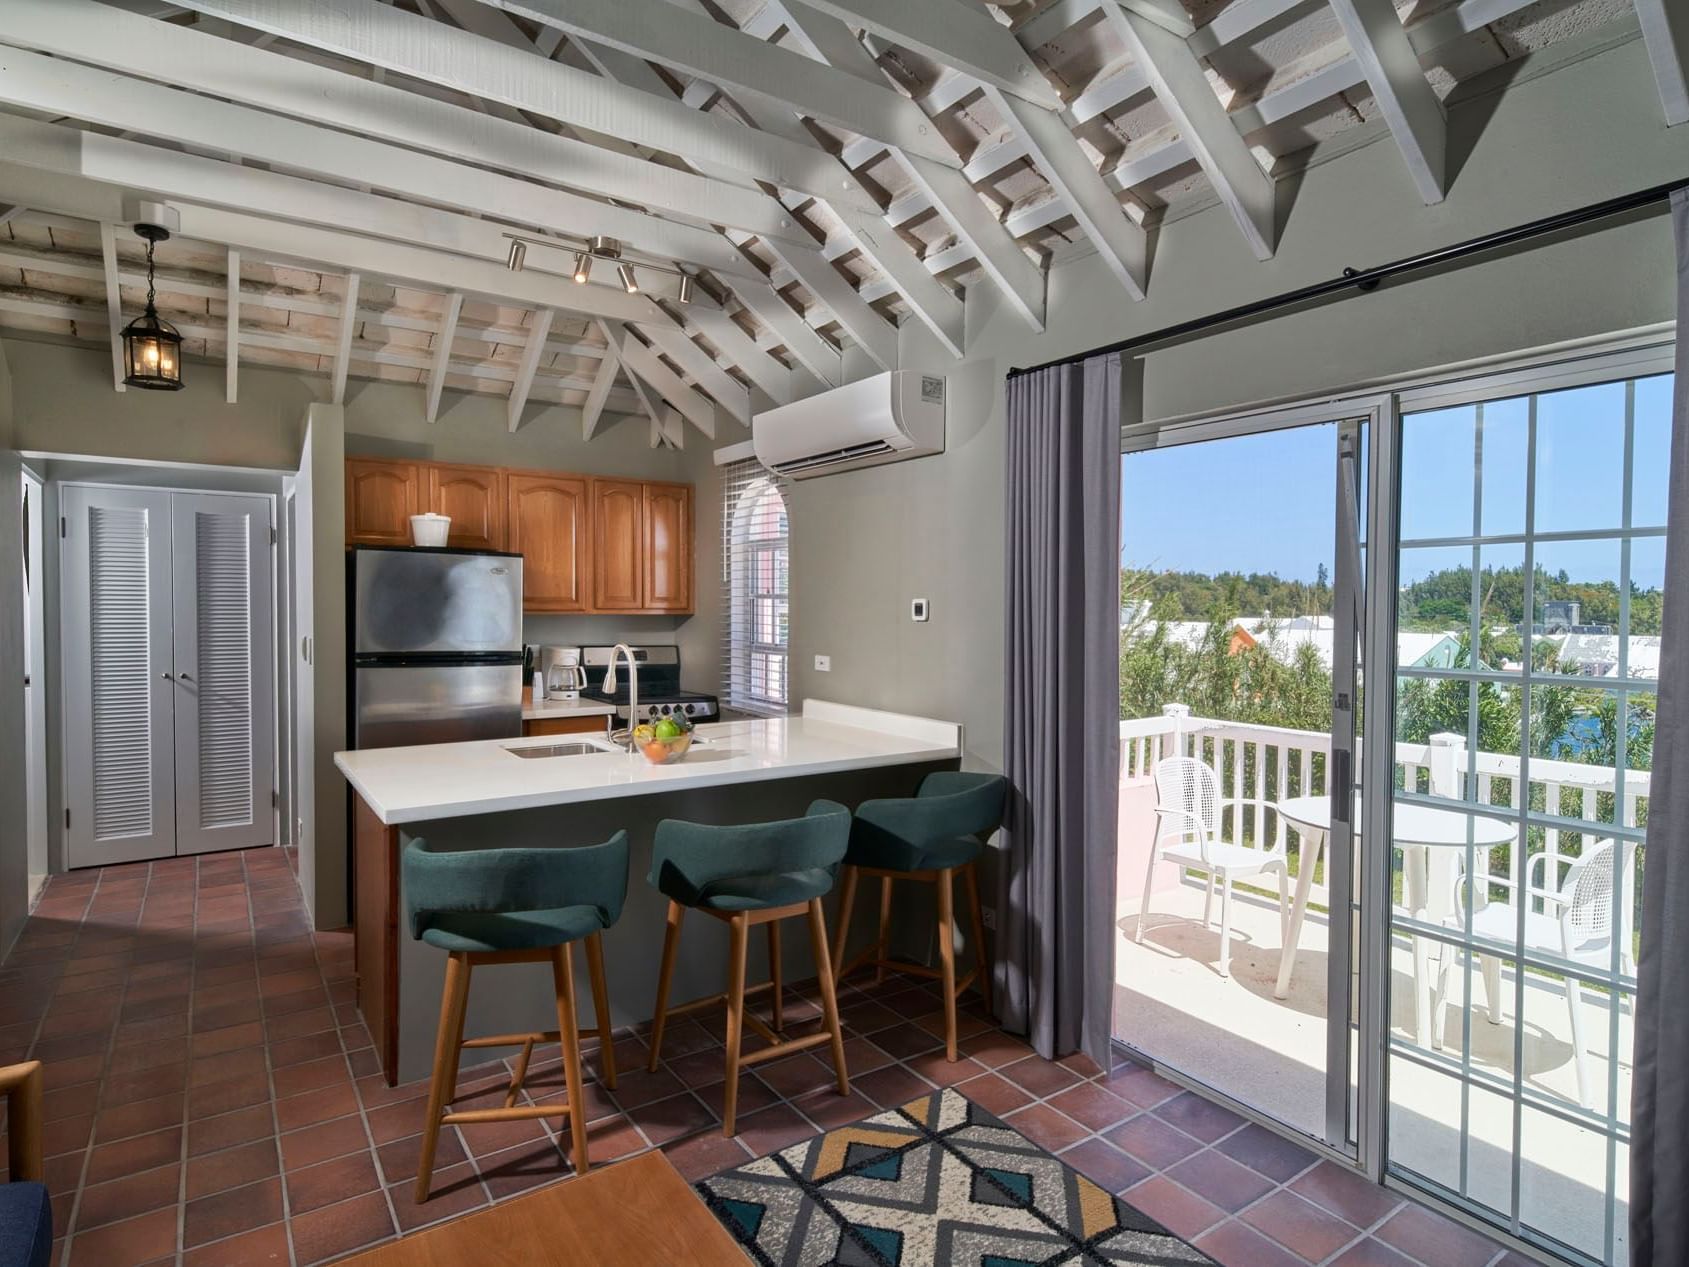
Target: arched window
<point>756,558</point>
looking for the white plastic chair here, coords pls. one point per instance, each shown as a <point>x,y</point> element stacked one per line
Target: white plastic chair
<point>1188,816</point>
<point>1576,924</point>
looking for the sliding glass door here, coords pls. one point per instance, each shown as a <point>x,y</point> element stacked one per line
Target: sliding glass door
<point>1241,580</point>
<point>1531,563</point>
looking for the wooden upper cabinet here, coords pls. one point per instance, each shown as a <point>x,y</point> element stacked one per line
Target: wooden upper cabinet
<point>618,527</point>
<point>549,523</point>
<point>668,548</point>
<point>474,498</point>
<point>381,496</point>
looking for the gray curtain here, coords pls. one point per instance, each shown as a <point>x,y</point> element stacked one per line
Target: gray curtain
<point>1055,959</point>
<point>1659,1153</point>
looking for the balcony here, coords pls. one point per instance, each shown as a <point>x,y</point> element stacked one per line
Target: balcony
<point>1232,1032</point>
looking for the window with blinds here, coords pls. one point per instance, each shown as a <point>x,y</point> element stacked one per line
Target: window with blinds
<point>756,552</point>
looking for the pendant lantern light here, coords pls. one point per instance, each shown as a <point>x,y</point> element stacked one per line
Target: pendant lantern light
<point>152,349</point>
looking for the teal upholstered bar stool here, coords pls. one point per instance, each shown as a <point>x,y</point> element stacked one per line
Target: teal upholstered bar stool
<point>761,873</point>
<point>500,906</point>
<point>930,837</point>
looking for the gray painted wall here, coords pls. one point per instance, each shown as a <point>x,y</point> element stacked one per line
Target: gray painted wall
<point>14,833</point>
<point>865,543</point>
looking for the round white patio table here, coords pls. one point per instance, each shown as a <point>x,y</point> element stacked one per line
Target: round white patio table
<point>1430,840</point>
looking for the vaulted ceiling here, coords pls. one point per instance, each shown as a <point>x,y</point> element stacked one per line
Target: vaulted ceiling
<point>348,173</point>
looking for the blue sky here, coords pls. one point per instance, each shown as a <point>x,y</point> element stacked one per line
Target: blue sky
<point>1265,503</point>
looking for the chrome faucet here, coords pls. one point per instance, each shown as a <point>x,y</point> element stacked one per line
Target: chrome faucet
<point>622,648</point>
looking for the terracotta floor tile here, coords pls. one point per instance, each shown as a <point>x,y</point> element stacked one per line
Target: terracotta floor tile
<point>452,1191</point>
<point>892,1086</point>
<point>140,1118</point>
<point>1372,1253</point>
<point>1431,1238</point>
<point>399,1159</point>
<point>321,1142</point>
<point>313,1187</point>
<point>701,1156</point>
<point>1314,1233</point>
<point>221,1214</point>
<point>1234,1244</point>
<point>941,1071</point>
<point>1091,1106</point>
<point>671,1118</point>
<point>207,1135</point>
<point>1346,1194</point>
<point>521,1169</point>
<point>1204,1119</point>
<point>127,1244</point>
<point>1179,1211</point>
<point>1039,1076</point>
<point>124,1198</point>
<point>266,1247</point>
<point>770,1130</point>
<point>1273,1155</point>
<point>829,1110</point>
<point>320,1105</point>
<point>994,1094</point>
<point>904,1040</point>
<point>1107,1165</point>
<point>1046,1127</point>
<point>225,1097</point>
<point>340,1228</point>
<point>232,1168</point>
<point>1228,1184</point>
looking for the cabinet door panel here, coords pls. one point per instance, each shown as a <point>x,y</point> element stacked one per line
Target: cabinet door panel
<point>381,496</point>
<point>667,581</point>
<point>619,531</point>
<point>474,498</point>
<point>549,525</point>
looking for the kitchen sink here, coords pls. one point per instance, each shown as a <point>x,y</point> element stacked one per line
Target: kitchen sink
<point>575,749</point>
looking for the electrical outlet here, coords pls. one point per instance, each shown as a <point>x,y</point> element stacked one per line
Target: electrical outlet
<point>918,609</point>
<point>823,664</point>
<point>988,917</point>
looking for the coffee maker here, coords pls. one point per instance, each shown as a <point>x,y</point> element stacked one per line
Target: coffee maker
<point>564,676</point>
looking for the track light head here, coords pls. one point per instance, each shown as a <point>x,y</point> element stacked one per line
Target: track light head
<point>630,283</point>
<point>686,284</point>
<point>583,267</point>
<point>518,255</point>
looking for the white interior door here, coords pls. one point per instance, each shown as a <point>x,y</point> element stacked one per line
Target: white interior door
<point>115,579</point>
<point>224,671</point>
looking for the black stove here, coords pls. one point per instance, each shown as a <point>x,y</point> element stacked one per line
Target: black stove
<point>660,692</point>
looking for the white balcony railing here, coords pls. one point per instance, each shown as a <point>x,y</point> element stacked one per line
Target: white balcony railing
<point>1258,765</point>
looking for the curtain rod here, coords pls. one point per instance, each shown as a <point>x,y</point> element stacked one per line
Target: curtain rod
<point>1368,279</point>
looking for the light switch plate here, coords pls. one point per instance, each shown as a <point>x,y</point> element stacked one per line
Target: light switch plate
<point>918,609</point>
<point>823,664</point>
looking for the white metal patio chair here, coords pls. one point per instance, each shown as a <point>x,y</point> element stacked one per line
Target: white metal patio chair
<point>1577,923</point>
<point>1188,815</point>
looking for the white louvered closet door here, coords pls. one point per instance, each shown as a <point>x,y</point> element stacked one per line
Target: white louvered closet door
<point>224,672</point>
<point>118,670</point>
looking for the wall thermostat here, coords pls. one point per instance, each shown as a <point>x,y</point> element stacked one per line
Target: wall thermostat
<point>917,609</point>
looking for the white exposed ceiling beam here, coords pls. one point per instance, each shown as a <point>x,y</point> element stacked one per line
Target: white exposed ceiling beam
<point>231,337</point>
<point>114,302</point>
<point>530,362</point>
<point>369,31</point>
<point>806,345</point>
<point>1000,256</point>
<point>10,211</point>
<point>1169,15</point>
<point>1183,90</point>
<point>701,46</point>
<point>643,363</point>
<point>872,332</point>
<point>186,58</point>
<point>443,341</point>
<point>343,344</point>
<point>782,385</point>
<point>1665,30</point>
<point>58,86</point>
<point>677,345</point>
<point>952,33</point>
<point>1067,167</point>
<point>68,152</point>
<point>1381,48</point>
<point>593,408</point>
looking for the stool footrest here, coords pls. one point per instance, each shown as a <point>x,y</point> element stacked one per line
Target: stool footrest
<point>515,1113</point>
<point>785,1047</point>
<point>522,1040</point>
<point>914,970</point>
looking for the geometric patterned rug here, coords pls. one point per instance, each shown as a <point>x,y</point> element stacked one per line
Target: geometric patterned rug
<point>939,1182</point>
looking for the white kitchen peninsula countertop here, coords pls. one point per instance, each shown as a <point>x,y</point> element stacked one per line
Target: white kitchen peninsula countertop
<point>552,709</point>
<point>433,781</point>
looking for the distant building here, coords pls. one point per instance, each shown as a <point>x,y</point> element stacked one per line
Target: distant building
<point>1561,615</point>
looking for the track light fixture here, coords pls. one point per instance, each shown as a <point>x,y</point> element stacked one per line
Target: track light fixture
<point>600,248</point>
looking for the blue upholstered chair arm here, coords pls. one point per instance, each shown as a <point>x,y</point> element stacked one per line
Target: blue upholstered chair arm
<point>497,880</point>
<point>699,854</point>
<point>950,803</point>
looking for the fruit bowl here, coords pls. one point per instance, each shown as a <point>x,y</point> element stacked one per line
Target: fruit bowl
<point>666,742</point>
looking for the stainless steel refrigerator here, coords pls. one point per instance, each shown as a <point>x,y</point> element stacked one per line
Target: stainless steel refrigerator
<point>436,645</point>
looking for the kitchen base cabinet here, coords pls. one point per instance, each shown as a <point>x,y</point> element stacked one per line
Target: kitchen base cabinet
<point>565,726</point>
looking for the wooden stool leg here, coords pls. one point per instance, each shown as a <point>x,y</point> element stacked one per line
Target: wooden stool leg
<point>982,961</point>
<point>947,958</point>
<point>563,986</point>
<point>773,927</point>
<point>882,947</point>
<point>739,936</point>
<point>442,1082</point>
<point>847,901</point>
<point>601,1008</point>
<point>520,1073</point>
<point>829,999</point>
<point>671,944</point>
